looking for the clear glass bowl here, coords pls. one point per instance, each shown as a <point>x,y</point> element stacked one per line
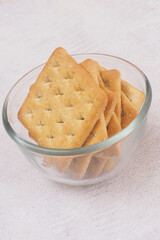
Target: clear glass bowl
<point>85,165</point>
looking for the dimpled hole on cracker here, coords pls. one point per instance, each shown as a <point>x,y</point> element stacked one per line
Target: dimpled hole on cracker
<point>47,80</point>
<point>59,92</point>
<point>56,64</point>
<point>38,96</point>
<point>30,112</point>
<point>80,117</point>
<point>49,108</point>
<point>122,115</point>
<point>79,88</point>
<point>40,124</point>
<point>69,104</point>
<point>67,76</point>
<point>89,101</point>
<point>59,120</point>
<point>71,134</point>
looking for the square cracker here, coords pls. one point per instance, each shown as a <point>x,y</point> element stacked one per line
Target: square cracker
<point>63,104</point>
<point>112,81</point>
<point>128,112</point>
<point>135,96</point>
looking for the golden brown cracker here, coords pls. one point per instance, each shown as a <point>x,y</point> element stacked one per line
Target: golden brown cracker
<point>128,112</point>
<point>91,67</point>
<point>112,97</point>
<point>112,101</point>
<point>112,81</point>
<point>63,104</point>
<point>113,126</point>
<point>135,96</point>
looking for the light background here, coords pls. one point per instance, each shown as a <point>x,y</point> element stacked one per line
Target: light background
<point>31,206</point>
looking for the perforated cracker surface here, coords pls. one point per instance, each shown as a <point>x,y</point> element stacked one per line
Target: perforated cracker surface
<point>63,105</point>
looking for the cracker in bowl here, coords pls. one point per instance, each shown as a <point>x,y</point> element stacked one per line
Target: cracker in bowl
<point>63,105</point>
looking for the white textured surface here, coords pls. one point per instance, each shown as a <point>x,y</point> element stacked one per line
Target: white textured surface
<point>31,206</point>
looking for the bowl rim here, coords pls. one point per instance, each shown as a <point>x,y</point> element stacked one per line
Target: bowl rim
<point>82,150</point>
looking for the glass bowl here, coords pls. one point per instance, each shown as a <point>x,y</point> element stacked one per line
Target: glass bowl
<point>85,165</point>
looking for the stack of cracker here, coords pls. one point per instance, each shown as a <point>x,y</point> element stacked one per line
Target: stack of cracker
<point>74,105</point>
